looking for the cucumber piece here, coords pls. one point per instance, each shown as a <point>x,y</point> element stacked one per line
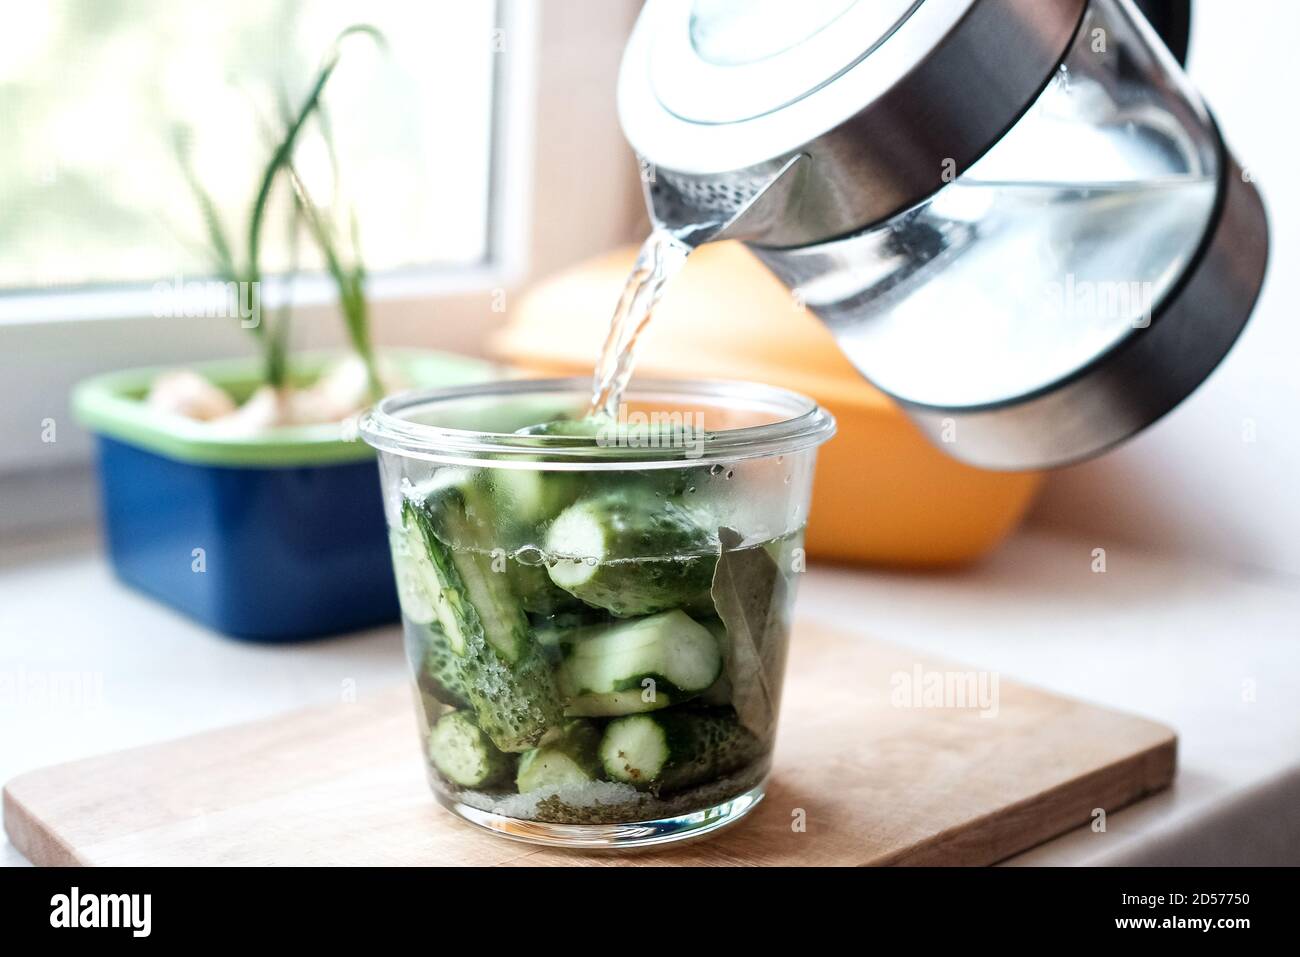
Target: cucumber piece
<point>673,750</point>
<point>423,528</point>
<point>438,672</point>
<point>442,499</point>
<point>630,554</point>
<point>551,631</point>
<point>471,512</point>
<point>508,681</point>
<point>567,755</point>
<point>522,500</point>
<point>609,432</point>
<point>464,755</point>
<point>585,428</point>
<point>638,665</point>
<point>477,583</point>
<point>537,593</point>
<point>416,582</point>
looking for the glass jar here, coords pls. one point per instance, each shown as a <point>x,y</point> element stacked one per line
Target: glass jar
<point>596,611</point>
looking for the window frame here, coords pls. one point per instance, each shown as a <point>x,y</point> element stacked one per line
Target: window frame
<point>506,249</point>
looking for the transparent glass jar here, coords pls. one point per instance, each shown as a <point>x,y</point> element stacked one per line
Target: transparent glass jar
<point>596,611</point>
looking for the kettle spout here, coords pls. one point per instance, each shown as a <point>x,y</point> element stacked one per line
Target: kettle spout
<point>697,210</point>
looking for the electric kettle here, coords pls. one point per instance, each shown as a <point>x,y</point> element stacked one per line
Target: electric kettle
<point>1017,217</point>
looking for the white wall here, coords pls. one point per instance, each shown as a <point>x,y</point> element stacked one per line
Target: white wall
<point>1191,483</point>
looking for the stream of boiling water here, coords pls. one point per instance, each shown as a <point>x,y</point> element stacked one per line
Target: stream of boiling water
<point>661,257</point>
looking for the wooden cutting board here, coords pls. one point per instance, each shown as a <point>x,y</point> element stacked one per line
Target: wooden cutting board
<point>872,775</point>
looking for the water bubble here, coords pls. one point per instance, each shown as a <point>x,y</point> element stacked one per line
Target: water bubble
<point>715,470</point>
<point>529,555</point>
<point>730,473</point>
<point>786,480</point>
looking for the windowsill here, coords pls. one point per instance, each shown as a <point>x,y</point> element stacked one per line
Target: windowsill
<point>1171,640</point>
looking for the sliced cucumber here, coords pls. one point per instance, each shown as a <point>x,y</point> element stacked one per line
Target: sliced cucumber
<point>639,665</point>
<point>508,681</point>
<point>481,579</point>
<point>585,428</point>
<point>552,631</point>
<point>466,756</point>
<point>567,755</point>
<point>522,500</point>
<point>416,582</point>
<point>443,500</point>
<point>674,750</point>
<point>630,554</point>
<point>537,593</point>
<point>438,671</point>
<point>435,568</point>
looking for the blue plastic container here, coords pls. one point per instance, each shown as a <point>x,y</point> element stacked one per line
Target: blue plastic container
<point>273,538</point>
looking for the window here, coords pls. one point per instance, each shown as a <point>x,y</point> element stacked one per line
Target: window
<point>92,93</point>
<point>481,151</point>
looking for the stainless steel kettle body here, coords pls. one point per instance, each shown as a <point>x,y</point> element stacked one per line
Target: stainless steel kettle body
<point>1017,217</point>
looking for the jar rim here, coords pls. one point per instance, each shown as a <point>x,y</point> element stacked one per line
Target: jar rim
<point>802,424</point>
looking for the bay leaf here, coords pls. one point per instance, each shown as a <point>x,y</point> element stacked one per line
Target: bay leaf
<point>750,594</point>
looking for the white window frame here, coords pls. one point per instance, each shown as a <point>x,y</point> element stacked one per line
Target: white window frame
<point>506,251</point>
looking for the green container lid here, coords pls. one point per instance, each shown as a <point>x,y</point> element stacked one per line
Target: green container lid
<point>113,404</point>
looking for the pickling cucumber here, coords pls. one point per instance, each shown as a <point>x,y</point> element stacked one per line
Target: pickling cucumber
<point>556,487</point>
<point>553,631</point>
<point>507,678</point>
<point>414,578</point>
<point>454,517</point>
<point>584,428</point>
<point>466,756</point>
<point>613,432</point>
<point>438,672</point>
<point>567,755</point>
<point>639,665</point>
<point>630,554</point>
<point>537,593</point>
<point>474,510</point>
<point>464,578</point>
<point>522,500</point>
<point>672,750</point>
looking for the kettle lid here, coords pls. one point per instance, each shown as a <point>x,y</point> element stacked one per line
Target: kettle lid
<point>887,96</point>
<point>723,61</point>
